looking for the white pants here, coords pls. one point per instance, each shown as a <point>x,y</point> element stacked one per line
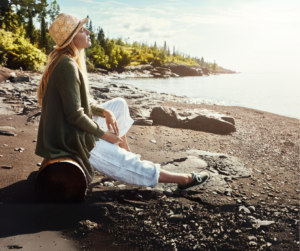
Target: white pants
<point>116,162</point>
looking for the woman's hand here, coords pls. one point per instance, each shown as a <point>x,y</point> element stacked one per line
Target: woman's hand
<point>112,138</point>
<point>111,121</point>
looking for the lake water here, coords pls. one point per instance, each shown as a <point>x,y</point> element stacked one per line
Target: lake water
<point>272,92</point>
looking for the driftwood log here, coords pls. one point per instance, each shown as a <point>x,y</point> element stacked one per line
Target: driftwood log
<point>60,180</point>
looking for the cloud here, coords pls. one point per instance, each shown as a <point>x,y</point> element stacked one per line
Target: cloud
<point>104,3</point>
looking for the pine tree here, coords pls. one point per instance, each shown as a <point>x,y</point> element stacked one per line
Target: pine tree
<point>169,51</point>
<point>8,19</point>
<point>54,10</point>
<point>90,27</point>
<point>174,54</point>
<point>165,46</point>
<point>87,24</point>
<point>43,40</point>
<point>101,37</point>
<point>30,27</point>
<point>155,44</point>
<point>202,61</point>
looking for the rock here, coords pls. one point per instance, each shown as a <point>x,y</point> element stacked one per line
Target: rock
<point>252,238</point>
<point>153,141</point>
<point>86,226</point>
<point>252,243</point>
<point>14,246</point>
<point>7,133</point>
<point>6,167</point>
<point>143,122</point>
<point>252,208</point>
<point>224,164</point>
<point>108,184</point>
<point>199,120</point>
<point>121,185</point>
<point>175,217</point>
<point>244,209</point>
<point>139,111</point>
<point>184,70</point>
<point>256,223</point>
<point>133,96</point>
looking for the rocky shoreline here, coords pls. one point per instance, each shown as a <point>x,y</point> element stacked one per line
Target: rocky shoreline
<point>162,71</point>
<point>250,203</point>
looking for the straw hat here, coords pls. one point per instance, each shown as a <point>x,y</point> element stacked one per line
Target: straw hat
<point>64,27</point>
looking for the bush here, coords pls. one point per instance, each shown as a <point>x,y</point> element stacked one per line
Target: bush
<point>125,58</point>
<point>16,52</point>
<point>89,66</point>
<point>97,56</point>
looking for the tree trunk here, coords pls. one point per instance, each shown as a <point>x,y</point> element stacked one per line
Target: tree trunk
<point>60,180</point>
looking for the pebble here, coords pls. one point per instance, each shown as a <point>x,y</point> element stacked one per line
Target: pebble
<point>252,238</point>
<point>6,167</point>
<point>153,141</point>
<point>121,185</point>
<point>252,208</point>
<point>244,209</point>
<point>38,164</point>
<point>103,198</point>
<point>252,243</point>
<point>108,184</point>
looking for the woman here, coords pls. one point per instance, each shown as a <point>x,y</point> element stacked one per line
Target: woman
<point>73,124</point>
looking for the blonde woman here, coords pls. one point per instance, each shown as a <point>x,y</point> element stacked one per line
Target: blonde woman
<point>73,124</point>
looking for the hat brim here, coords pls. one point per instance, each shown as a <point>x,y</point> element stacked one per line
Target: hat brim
<point>82,22</point>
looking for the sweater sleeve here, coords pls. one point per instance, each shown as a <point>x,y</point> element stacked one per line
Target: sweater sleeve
<point>97,110</point>
<point>68,85</point>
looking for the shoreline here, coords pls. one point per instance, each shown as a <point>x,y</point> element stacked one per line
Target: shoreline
<point>191,100</point>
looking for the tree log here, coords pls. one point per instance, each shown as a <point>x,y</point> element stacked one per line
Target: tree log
<point>60,180</point>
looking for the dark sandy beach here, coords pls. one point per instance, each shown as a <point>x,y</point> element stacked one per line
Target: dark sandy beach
<point>130,217</point>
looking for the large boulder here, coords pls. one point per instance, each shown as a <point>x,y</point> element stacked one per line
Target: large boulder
<point>221,168</point>
<point>185,70</point>
<point>197,119</point>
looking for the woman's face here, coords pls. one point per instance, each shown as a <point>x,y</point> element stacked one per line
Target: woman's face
<point>82,39</point>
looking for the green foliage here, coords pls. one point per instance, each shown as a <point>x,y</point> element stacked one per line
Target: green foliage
<point>125,58</point>
<point>19,52</point>
<point>97,56</point>
<point>89,65</point>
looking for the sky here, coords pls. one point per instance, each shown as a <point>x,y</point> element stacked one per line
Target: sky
<point>241,35</point>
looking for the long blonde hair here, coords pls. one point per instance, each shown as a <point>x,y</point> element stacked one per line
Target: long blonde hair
<point>52,60</point>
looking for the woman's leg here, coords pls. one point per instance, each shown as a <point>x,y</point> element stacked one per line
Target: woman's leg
<point>124,144</point>
<point>120,163</point>
<point>179,178</point>
<point>120,109</point>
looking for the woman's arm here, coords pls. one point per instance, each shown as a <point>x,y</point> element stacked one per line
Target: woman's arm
<point>97,110</point>
<point>68,85</point>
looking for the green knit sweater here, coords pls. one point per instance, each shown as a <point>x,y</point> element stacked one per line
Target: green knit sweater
<point>66,127</point>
